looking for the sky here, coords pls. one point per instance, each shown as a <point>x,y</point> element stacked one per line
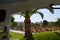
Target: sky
<point>37,18</point>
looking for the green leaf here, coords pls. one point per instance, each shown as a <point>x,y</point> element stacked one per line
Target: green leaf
<point>34,10</point>
<point>50,9</point>
<point>41,14</point>
<point>12,19</point>
<point>22,14</point>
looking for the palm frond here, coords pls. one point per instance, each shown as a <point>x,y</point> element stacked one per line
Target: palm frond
<point>50,9</point>
<point>34,10</point>
<point>31,12</point>
<point>41,14</point>
<point>23,13</point>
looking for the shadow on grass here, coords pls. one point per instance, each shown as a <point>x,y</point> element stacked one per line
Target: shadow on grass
<point>57,33</point>
<point>30,38</point>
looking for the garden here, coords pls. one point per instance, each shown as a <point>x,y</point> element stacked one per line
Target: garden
<point>37,36</point>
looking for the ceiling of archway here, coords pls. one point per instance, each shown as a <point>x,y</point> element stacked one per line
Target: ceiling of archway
<point>21,5</point>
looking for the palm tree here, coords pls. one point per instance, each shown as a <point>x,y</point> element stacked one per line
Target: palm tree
<point>27,14</point>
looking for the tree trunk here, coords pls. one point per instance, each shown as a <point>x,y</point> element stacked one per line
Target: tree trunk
<point>28,33</point>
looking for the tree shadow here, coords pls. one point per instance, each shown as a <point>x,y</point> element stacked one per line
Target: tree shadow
<point>57,33</point>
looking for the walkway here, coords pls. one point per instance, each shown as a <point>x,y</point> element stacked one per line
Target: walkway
<point>20,32</point>
<point>16,31</point>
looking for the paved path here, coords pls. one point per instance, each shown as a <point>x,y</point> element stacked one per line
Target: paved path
<point>20,32</point>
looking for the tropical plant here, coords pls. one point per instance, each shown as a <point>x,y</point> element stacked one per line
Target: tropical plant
<point>37,24</point>
<point>27,14</point>
<point>51,24</point>
<point>58,22</point>
<point>12,23</point>
<point>12,19</point>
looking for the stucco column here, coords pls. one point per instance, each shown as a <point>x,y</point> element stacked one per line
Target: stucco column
<point>7,30</point>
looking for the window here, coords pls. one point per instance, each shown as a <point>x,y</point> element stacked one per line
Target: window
<point>2,15</point>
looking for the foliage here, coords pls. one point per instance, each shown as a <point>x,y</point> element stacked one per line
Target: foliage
<point>27,14</point>
<point>37,24</point>
<point>58,22</point>
<point>50,8</point>
<point>31,12</point>
<point>12,23</point>
<point>51,24</point>
<point>45,23</point>
<point>12,19</point>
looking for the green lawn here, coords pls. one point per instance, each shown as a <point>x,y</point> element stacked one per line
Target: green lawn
<point>47,36</point>
<point>15,36</point>
<point>37,36</point>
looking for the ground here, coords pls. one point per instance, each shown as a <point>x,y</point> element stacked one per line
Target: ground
<point>15,36</point>
<point>50,35</point>
<point>37,36</point>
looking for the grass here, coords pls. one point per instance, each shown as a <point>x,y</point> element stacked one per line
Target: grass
<point>46,36</point>
<point>37,36</point>
<point>16,36</point>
